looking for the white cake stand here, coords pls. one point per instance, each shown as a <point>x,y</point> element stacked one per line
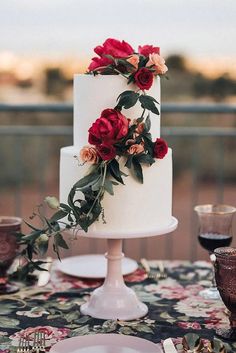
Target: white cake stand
<point>114,300</point>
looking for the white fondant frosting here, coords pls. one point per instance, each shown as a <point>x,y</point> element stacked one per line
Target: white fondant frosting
<point>93,94</point>
<point>135,209</point>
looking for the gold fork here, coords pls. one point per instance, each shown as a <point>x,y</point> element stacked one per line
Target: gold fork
<point>23,346</point>
<point>151,274</point>
<point>162,271</point>
<point>39,344</point>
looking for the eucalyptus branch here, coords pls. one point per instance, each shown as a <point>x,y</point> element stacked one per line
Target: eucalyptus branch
<point>100,190</point>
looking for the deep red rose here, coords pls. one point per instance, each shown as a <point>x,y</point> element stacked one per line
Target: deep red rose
<point>106,151</point>
<point>145,50</point>
<point>160,148</point>
<point>144,78</point>
<point>96,63</point>
<point>115,48</point>
<point>109,128</point>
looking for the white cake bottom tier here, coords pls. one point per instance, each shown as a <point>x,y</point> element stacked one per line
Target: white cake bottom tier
<point>135,210</point>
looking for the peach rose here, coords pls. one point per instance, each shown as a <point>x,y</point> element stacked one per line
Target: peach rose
<point>134,60</point>
<point>135,149</point>
<point>89,154</point>
<point>140,127</point>
<point>158,62</point>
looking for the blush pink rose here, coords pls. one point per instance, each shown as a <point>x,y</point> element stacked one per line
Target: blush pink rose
<point>109,128</point>
<point>158,62</point>
<point>145,50</point>
<point>89,154</point>
<point>134,60</point>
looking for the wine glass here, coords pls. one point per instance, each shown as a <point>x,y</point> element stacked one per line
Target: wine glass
<point>215,230</point>
<point>225,275</point>
<point>8,250</point>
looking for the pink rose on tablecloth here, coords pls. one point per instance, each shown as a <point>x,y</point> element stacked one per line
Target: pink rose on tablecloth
<point>147,49</point>
<point>189,325</point>
<point>52,334</point>
<point>109,128</point>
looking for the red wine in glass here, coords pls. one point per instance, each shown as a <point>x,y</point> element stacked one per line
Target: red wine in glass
<point>211,241</point>
<point>214,231</point>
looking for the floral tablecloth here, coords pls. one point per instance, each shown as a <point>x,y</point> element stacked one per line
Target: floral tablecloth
<point>175,308</point>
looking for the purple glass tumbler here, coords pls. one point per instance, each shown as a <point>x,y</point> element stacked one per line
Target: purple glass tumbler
<point>225,275</point>
<point>9,226</point>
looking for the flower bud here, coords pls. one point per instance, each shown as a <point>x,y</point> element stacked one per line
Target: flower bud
<point>52,202</point>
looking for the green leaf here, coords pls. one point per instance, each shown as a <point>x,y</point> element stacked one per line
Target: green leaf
<point>98,184</point>
<point>87,181</point>
<point>128,163</point>
<point>80,331</point>
<point>71,316</point>
<point>65,206</point>
<point>109,326</point>
<point>191,341</point>
<point>147,102</point>
<point>58,215</point>
<point>216,346</point>
<point>29,225</point>
<point>59,241</point>
<point>127,99</point>
<point>114,170</point>
<point>138,170</point>
<point>109,187</point>
<point>145,158</point>
<point>125,63</point>
<point>147,123</point>
<point>7,322</point>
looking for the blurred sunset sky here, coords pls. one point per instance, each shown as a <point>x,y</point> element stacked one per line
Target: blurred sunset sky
<point>41,35</point>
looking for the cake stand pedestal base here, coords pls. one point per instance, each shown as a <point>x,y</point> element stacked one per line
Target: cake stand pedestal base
<point>114,300</point>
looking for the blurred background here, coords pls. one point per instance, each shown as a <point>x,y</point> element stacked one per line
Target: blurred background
<point>44,43</point>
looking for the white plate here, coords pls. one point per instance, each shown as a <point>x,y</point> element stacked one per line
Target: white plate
<point>92,266</point>
<point>105,343</point>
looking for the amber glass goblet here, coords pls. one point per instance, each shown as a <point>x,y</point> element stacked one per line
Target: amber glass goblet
<point>225,275</point>
<point>215,230</point>
<point>9,226</point>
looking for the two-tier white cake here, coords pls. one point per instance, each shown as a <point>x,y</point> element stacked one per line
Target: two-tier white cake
<point>135,208</point>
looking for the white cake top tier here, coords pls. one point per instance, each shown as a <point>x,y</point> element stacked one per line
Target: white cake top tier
<point>93,94</point>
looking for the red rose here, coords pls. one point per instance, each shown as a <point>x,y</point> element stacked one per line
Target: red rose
<point>106,151</point>
<point>143,78</point>
<point>109,128</point>
<point>145,50</point>
<point>96,63</point>
<point>115,48</point>
<point>160,148</point>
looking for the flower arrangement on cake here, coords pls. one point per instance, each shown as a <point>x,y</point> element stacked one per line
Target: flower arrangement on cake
<point>114,141</point>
